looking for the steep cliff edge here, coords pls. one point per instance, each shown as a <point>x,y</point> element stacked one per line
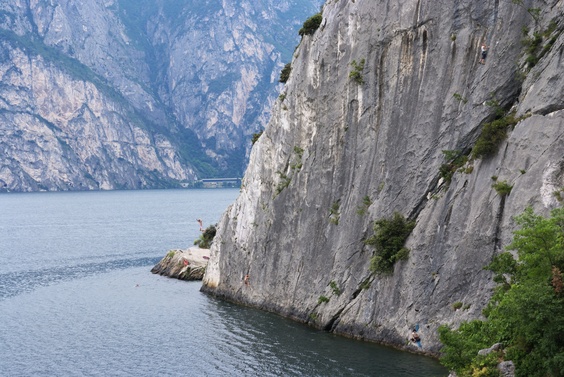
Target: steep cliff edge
<point>375,96</point>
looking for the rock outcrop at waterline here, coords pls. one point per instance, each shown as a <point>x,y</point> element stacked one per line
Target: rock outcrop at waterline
<point>183,264</point>
<point>375,96</point>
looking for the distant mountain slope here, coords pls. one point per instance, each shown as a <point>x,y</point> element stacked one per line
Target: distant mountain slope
<point>137,94</point>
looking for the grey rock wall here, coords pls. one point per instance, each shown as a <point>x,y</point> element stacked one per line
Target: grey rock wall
<point>299,225</point>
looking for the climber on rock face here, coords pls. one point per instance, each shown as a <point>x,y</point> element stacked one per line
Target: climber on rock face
<point>415,338</point>
<point>484,53</point>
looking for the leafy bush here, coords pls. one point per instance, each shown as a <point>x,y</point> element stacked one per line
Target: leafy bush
<point>334,213</point>
<point>388,241</point>
<point>285,74</point>
<point>459,97</point>
<point>356,73</point>
<point>533,44</point>
<point>365,284</point>
<point>454,160</point>
<point>492,136</point>
<point>532,47</point>
<point>461,346</point>
<point>322,299</point>
<point>311,25</point>
<point>503,188</point>
<point>524,313</point>
<point>256,136</point>
<point>206,238</point>
<point>283,183</point>
<point>366,203</point>
<point>296,163</point>
<point>335,288</point>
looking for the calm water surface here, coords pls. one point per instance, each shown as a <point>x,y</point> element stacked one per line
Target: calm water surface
<point>77,298</point>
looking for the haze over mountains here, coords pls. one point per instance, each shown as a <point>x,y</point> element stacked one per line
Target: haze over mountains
<point>111,94</point>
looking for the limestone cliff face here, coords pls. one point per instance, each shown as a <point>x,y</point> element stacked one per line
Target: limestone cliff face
<point>59,133</point>
<point>298,228</point>
<point>107,94</point>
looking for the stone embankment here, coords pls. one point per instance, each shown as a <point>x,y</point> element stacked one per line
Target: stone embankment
<point>187,264</point>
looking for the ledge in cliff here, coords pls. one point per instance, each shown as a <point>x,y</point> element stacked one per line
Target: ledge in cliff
<point>183,264</point>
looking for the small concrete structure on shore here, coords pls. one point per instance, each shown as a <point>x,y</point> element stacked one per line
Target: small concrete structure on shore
<point>187,264</point>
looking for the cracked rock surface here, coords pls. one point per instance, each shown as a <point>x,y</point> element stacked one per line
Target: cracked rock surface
<point>299,225</point>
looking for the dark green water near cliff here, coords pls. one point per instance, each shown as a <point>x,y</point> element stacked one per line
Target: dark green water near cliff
<point>77,298</point>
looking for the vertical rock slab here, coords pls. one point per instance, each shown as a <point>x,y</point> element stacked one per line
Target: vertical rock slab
<point>375,96</point>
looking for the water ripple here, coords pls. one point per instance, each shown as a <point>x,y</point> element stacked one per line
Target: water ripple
<point>15,283</point>
<point>98,311</point>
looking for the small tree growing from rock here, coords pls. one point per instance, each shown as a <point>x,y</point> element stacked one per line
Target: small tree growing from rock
<point>388,241</point>
<point>311,25</point>
<point>206,238</point>
<point>285,74</point>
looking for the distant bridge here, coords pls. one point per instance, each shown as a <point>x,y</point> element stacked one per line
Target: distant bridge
<point>219,182</point>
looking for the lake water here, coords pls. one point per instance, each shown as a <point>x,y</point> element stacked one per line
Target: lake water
<point>77,298</point>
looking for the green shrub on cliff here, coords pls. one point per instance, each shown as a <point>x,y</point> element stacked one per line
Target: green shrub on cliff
<point>366,203</point>
<point>206,238</point>
<point>492,135</point>
<point>388,241</point>
<point>454,160</point>
<point>285,74</point>
<point>356,72</point>
<point>334,213</point>
<point>503,188</point>
<point>311,25</point>
<point>525,312</point>
<point>256,136</point>
<point>335,288</point>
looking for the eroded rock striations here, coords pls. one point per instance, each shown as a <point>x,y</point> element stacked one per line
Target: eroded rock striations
<point>374,97</point>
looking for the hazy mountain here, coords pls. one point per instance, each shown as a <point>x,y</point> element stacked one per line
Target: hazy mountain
<point>107,94</point>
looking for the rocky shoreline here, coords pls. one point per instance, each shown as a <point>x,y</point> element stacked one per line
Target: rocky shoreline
<point>187,264</point>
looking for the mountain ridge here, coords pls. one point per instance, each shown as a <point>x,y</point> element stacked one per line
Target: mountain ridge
<point>188,107</point>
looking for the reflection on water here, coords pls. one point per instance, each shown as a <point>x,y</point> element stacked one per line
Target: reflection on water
<point>280,347</point>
